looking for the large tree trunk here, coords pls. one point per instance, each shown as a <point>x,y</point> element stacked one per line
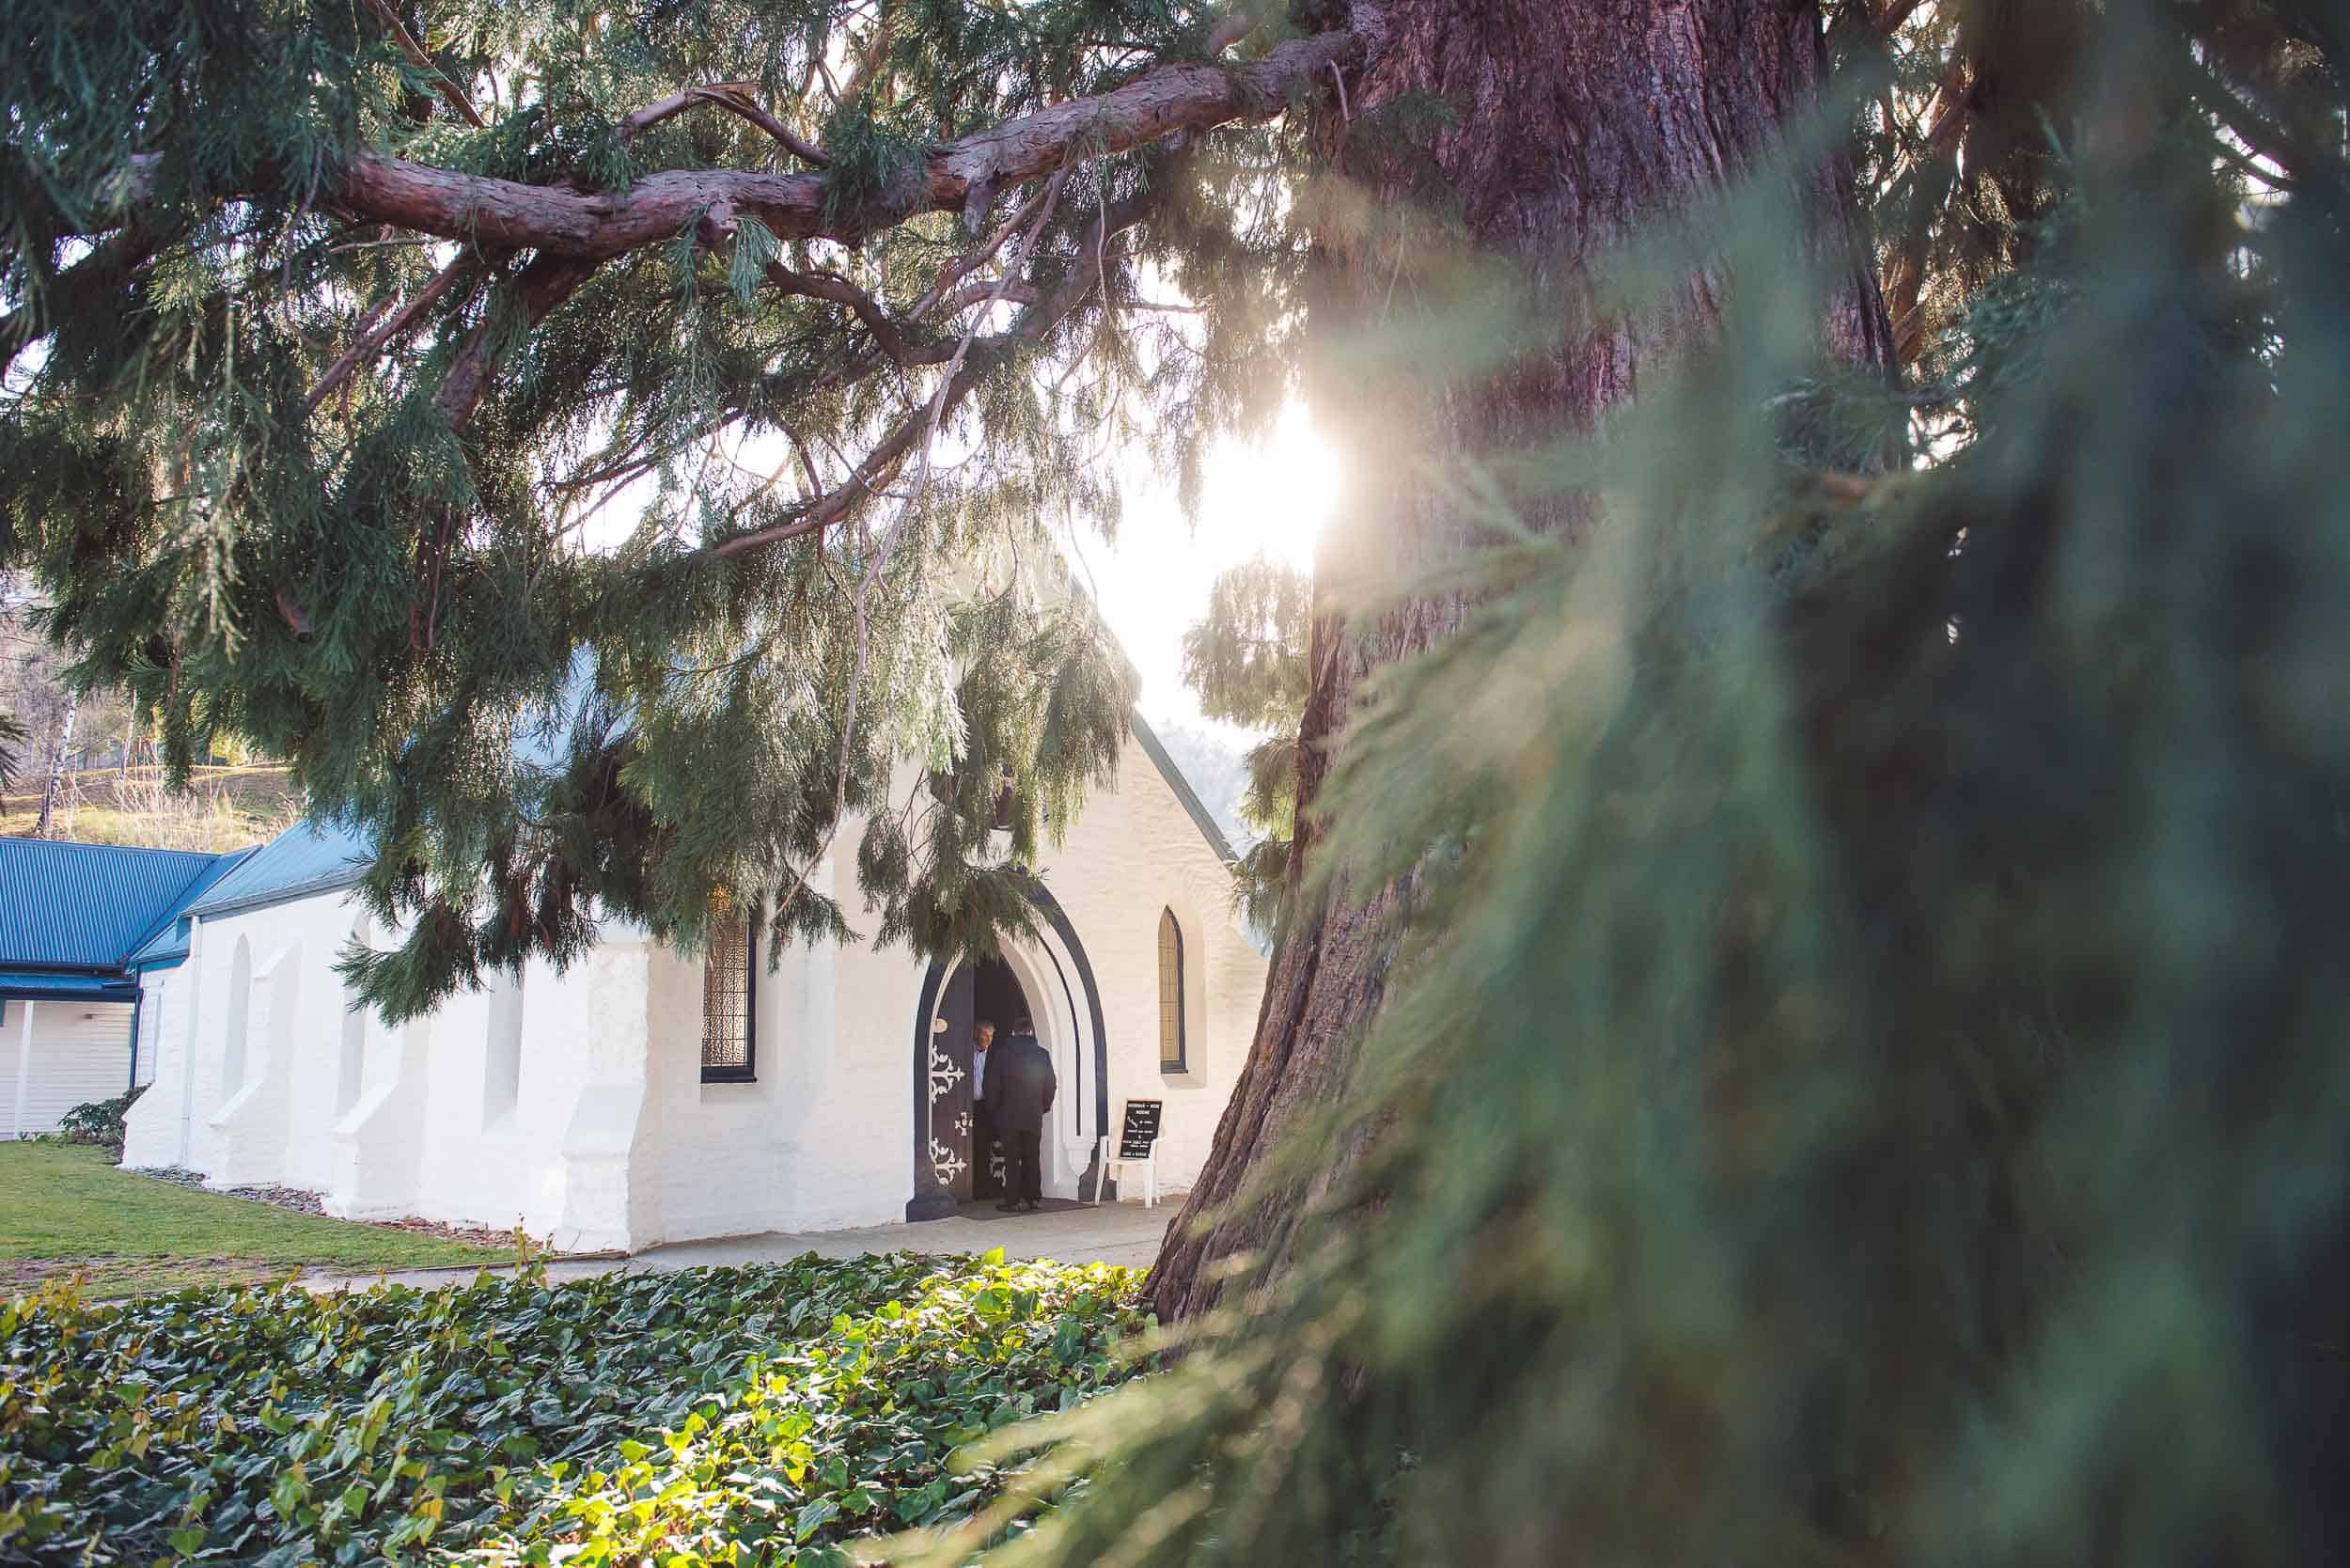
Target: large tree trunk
<point>1578,123</point>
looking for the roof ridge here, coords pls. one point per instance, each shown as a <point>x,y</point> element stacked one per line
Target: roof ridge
<point>1180,783</point>
<point>28,840</point>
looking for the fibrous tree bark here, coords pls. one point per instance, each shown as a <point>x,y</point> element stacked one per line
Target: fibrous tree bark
<point>1568,128</point>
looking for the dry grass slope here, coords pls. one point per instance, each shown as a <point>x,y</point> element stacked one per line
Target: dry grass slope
<point>223,809</point>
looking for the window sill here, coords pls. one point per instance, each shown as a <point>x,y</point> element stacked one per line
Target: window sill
<point>1182,1078</point>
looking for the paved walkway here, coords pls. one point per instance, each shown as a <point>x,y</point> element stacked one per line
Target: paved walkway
<point>1112,1233</point>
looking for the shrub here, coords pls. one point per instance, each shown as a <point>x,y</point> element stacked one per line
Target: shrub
<point>99,1121</point>
<point>752,1414</point>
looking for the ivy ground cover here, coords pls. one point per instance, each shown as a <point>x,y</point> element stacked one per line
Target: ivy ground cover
<point>747,1415</point>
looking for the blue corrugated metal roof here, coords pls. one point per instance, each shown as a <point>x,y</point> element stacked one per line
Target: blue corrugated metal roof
<point>311,856</point>
<point>86,906</point>
<point>33,986</point>
<point>169,944</point>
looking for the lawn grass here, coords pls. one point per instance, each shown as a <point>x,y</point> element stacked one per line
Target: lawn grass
<point>65,1207</point>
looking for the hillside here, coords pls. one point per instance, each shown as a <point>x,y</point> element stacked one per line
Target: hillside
<point>224,808</point>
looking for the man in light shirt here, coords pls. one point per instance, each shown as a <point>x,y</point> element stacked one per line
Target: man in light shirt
<point>982,1125</point>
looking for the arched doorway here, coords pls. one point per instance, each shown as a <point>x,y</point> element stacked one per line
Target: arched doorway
<point>999,1001</point>
<point>1051,976</point>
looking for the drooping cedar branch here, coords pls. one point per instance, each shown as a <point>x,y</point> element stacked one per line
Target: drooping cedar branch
<point>595,225</point>
<point>373,341</point>
<point>735,98</point>
<point>547,282</point>
<point>423,61</point>
<point>889,333</point>
<point>86,282</point>
<point>1896,15</point>
<point>1906,273</point>
<point>875,471</point>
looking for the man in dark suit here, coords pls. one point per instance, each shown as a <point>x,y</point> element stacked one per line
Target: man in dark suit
<point>1019,1090</point>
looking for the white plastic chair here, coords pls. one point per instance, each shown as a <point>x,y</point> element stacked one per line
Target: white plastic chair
<point>1108,1152</point>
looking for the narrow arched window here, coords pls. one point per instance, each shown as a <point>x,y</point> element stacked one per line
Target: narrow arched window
<point>1170,993</point>
<point>729,995</point>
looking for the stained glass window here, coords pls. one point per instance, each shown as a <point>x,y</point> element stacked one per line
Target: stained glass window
<point>1170,993</point>
<point>730,992</point>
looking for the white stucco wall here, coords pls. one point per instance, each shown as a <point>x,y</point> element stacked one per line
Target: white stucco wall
<point>78,1052</point>
<point>156,996</point>
<point>1131,854</point>
<point>572,1105</point>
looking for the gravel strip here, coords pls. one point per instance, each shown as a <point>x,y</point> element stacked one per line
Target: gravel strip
<point>312,1204</point>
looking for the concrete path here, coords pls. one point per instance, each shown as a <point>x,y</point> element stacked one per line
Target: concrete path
<point>1112,1233</point>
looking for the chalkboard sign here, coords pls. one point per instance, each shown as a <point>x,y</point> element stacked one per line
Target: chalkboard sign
<point>1141,1129</point>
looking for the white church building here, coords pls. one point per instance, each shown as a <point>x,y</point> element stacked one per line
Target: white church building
<point>644,1096</point>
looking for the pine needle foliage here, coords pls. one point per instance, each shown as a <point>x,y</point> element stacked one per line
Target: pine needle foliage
<point>1863,1074</point>
<point>487,586</point>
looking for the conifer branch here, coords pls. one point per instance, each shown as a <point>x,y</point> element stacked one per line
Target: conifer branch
<point>1234,28</point>
<point>876,49</point>
<point>1906,273</point>
<point>547,282</point>
<point>2266,137</point>
<point>594,226</point>
<point>735,98</point>
<point>423,61</point>
<point>955,272</point>
<point>880,465</point>
<point>887,333</point>
<point>79,287</point>
<point>1895,16</point>
<point>371,344</point>
<point>890,334</point>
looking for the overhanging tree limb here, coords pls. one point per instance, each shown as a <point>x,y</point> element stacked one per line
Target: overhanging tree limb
<point>374,342</point>
<point>880,464</point>
<point>735,98</point>
<point>547,282</point>
<point>593,226</point>
<point>423,61</point>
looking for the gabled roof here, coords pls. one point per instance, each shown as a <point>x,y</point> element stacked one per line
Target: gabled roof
<point>1201,817</point>
<point>315,855</point>
<point>86,906</point>
<point>169,944</point>
<point>1168,768</point>
<point>72,915</point>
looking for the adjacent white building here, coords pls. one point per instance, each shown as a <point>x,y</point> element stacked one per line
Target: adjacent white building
<point>644,1096</point>
<point>71,1016</point>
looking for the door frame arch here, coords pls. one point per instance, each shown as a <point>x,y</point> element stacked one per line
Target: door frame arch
<point>1057,979</point>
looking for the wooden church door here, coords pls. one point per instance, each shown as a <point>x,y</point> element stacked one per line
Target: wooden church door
<point>947,1158</point>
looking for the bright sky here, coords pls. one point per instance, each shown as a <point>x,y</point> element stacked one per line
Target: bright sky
<point>1270,497</point>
